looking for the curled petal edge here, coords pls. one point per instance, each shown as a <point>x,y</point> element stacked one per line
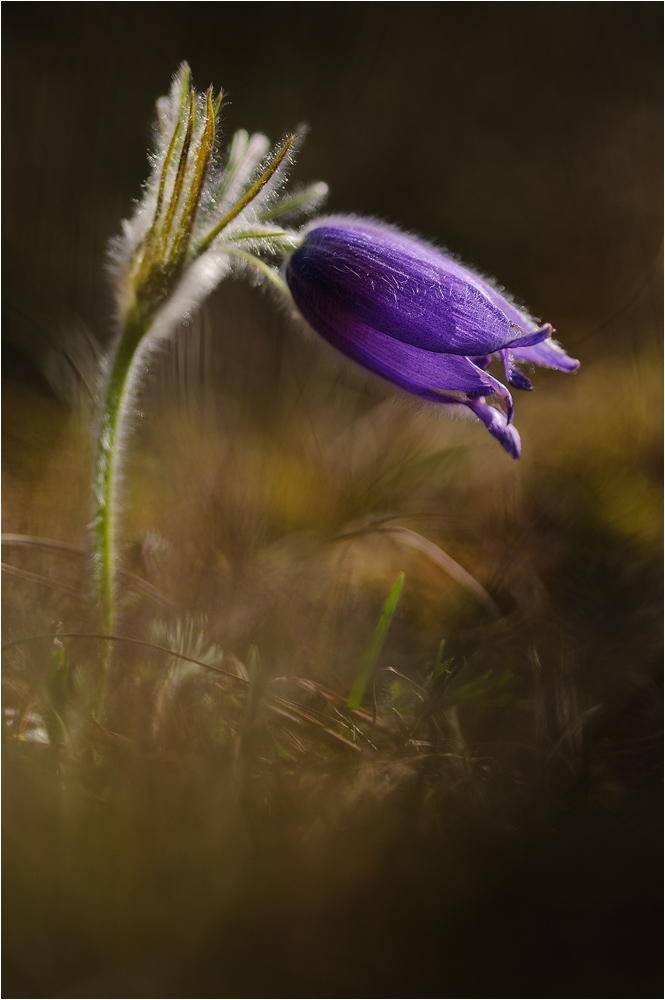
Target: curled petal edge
<point>549,354</point>
<point>497,424</point>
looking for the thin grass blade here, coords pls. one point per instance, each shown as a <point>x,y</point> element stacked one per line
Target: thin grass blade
<point>375,646</point>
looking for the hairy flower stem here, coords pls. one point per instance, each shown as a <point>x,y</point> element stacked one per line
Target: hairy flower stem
<point>179,244</point>
<point>108,463</point>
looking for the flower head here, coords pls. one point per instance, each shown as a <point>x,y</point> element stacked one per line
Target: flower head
<point>418,318</point>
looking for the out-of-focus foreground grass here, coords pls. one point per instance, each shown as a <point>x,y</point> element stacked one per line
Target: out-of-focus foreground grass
<point>204,842</point>
<point>488,823</point>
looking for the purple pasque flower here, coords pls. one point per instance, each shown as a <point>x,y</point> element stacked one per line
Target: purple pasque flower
<point>417,317</point>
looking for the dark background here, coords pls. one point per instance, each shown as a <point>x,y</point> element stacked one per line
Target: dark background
<point>524,137</point>
<point>527,138</point>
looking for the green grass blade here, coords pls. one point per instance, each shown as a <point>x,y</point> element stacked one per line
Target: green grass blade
<point>439,666</point>
<point>375,646</point>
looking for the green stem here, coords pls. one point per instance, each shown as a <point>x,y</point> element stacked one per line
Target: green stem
<point>108,463</point>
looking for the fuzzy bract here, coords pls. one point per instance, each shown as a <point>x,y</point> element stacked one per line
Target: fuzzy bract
<point>417,317</point>
<point>202,213</point>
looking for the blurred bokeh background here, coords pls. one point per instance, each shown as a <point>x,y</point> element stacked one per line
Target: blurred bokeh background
<point>267,493</point>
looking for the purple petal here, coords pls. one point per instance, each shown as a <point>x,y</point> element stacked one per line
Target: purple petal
<point>514,376</point>
<point>424,373</point>
<point>549,354</point>
<point>403,287</point>
<point>518,380</point>
<point>496,423</point>
<point>529,339</point>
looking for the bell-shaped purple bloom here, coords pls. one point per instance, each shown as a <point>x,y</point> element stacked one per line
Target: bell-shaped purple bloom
<point>418,318</point>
